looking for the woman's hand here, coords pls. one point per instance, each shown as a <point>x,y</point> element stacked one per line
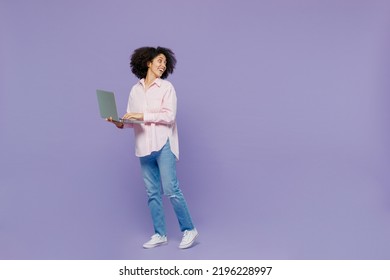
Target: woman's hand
<point>117,124</point>
<point>134,116</point>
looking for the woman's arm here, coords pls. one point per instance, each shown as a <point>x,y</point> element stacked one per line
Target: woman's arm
<point>167,113</point>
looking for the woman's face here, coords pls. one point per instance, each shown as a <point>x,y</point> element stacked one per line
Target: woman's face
<point>158,65</point>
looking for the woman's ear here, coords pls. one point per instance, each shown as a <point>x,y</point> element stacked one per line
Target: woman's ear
<point>148,64</point>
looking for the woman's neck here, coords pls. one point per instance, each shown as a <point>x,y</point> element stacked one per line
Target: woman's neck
<point>149,79</point>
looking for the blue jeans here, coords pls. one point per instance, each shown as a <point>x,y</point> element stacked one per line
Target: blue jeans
<point>159,168</point>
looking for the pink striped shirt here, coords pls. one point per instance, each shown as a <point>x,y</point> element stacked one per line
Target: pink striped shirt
<point>158,104</point>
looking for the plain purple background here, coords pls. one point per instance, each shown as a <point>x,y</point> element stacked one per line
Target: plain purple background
<point>283,126</point>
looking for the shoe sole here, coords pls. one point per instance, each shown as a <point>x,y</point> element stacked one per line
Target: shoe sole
<point>189,244</point>
<point>155,245</point>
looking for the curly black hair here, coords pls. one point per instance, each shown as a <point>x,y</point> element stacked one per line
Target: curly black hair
<point>141,56</point>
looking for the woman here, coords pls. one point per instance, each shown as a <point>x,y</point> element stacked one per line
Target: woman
<point>153,101</point>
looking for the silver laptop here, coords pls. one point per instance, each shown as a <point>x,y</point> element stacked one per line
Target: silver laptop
<point>107,106</point>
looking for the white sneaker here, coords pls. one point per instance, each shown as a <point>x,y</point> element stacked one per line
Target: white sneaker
<point>156,240</point>
<point>189,237</point>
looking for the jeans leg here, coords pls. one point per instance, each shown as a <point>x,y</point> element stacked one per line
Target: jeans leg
<point>167,166</point>
<point>151,176</point>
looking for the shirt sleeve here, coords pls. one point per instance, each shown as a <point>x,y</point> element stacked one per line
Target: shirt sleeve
<point>167,113</point>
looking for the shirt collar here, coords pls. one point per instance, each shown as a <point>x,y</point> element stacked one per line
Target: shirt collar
<point>157,81</point>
